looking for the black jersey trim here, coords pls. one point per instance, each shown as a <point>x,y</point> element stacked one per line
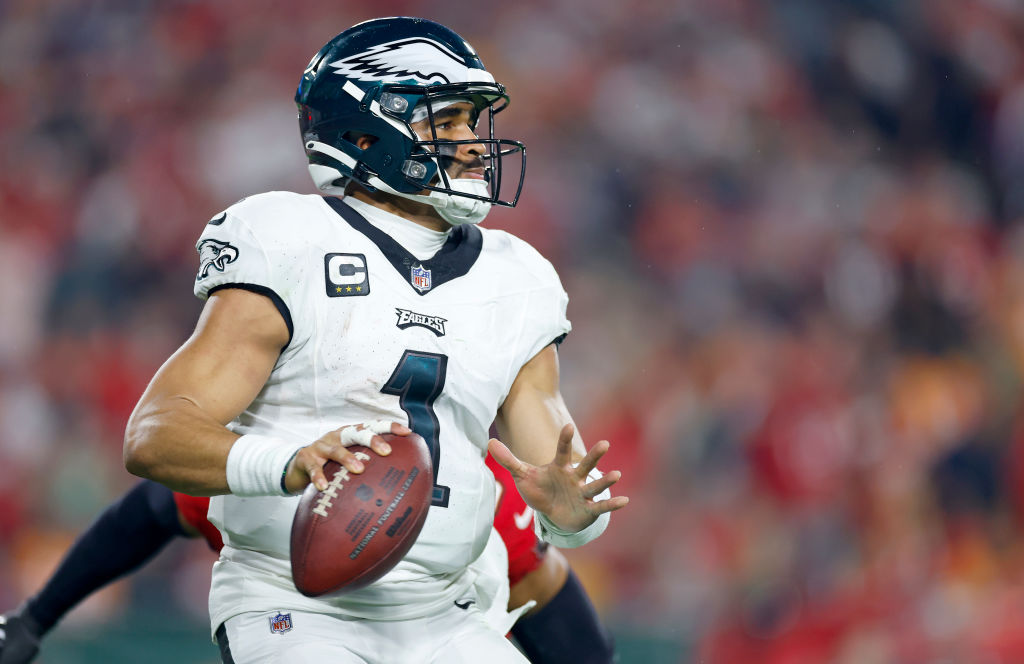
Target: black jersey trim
<point>452,261</point>
<point>282,308</point>
<point>223,645</point>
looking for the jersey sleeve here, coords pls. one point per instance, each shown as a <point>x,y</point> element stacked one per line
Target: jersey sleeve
<point>249,246</point>
<point>513,519</point>
<point>545,321</point>
<point>193,510</point>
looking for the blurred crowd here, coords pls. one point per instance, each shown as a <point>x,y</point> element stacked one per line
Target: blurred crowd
<point>791,235</point>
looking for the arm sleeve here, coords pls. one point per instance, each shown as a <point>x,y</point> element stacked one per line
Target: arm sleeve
<point>567,629</point>
<point>123,537</point>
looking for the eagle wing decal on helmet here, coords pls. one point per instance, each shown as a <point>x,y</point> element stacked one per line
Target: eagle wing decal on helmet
<point>424,60</point>
<point>214,254</point>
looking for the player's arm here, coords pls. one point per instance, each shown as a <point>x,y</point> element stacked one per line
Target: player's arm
<point>546,455</point>
<point>177,434</point>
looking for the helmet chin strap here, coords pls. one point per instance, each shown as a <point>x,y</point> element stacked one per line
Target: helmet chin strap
<point>456,210</point>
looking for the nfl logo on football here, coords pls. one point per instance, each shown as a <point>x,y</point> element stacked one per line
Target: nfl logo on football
<point>280,623</point>
<point>421,278</point>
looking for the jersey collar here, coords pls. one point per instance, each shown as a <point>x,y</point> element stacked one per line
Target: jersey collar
<point>453,260</point>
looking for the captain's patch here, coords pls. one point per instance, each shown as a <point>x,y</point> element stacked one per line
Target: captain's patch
<point>346,275</point>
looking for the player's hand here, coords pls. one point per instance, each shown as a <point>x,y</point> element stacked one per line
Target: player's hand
<point>19,639</point>
<point>559,490</point>
<point>308,464</point>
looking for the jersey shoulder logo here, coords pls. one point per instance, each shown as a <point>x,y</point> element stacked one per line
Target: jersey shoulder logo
<point>214,254</point>
<point>420,59</point>
<point>346,275</point>
<point>408,319</point>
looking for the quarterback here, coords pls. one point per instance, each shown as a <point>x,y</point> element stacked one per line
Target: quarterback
<point>380,307</point>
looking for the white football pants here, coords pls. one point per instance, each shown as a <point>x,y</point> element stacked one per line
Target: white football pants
<point>454,636</point>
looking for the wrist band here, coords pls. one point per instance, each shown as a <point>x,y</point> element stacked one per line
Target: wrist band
<point>257,465</point>
<point>564,539</point>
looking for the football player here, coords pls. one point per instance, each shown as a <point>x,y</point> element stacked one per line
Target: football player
<point>559,625</point>
<point>380,307</point>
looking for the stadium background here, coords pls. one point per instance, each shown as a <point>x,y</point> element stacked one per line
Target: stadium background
<point>789,229</point>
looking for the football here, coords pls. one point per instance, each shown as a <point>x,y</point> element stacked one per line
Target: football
<point>353,532</point>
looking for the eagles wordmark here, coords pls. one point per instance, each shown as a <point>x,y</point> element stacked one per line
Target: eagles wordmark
<point>408,318</point>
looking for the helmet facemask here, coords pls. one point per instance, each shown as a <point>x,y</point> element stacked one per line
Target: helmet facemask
<point>463,200</point>
<point>420,164</point>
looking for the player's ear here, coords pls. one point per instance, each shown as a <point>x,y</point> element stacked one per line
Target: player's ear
<point>361,141</point>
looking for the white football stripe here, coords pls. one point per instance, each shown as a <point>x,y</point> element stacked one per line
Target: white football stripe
<point>358,93</point>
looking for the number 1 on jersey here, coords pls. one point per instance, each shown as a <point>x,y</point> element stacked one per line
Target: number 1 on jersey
<point>417,382</point>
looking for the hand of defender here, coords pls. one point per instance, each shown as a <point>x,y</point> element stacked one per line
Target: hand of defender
<point>19,639</point>
<point>308,464</point>
<point>557,489</point>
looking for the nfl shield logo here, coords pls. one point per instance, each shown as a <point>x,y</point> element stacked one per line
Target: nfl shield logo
<point>280,623</point>
<point>421,278</point>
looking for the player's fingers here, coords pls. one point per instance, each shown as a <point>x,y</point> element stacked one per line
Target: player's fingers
<point>380,446</point>
<point>504,456</point>
<point>351,460</point>
<point>312,467</point>
<point>385,426</point>
<point>399,429</point>
<point>301,472</point>
<point>356,435</point>
<point>614,503</point>
<point>600,484</point>
<point>328,441</point>
<point>563,452</point>
<point>589,462</point>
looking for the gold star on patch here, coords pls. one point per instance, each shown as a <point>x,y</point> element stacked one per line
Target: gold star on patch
<point>359,289</point>
<point>338,289</point>
<point>348,289</point>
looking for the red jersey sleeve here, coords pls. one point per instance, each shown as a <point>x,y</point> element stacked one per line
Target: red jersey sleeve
<point>514,521</point>
<point>193,509</point>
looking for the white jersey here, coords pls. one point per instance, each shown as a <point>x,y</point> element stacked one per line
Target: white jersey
<point>375,334</point>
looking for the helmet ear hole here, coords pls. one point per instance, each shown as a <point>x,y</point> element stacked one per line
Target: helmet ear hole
<point>359,139</point>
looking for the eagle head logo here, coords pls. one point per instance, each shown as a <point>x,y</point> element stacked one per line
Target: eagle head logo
<point>418,59</point>
<point>216,255</point>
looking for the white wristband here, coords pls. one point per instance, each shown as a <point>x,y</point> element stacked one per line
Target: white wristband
<point>564,539</point>
<point>257,464</point>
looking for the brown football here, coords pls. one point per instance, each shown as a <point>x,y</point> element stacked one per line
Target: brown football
<point>352,533</point>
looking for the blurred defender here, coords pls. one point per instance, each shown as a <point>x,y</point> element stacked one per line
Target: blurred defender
<point>333,321</point>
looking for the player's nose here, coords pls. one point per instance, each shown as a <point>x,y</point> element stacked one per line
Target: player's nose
<point>476,148</point>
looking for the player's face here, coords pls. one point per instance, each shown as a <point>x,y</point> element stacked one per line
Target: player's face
<point>456,123</point>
